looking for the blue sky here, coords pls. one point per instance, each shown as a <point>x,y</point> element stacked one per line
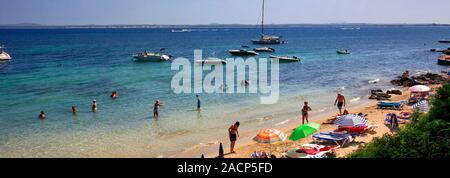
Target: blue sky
<point>81,12</point>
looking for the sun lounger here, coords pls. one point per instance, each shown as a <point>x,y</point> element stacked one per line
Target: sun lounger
<point>391,105</point>
<point>355,130</point>
<point>340,139</point>
<point>310,151</point>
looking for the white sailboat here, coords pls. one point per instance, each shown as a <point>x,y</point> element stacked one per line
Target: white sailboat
<point>267,39</point>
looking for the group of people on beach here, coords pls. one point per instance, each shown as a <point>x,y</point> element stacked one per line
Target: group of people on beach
<point>339,102</point>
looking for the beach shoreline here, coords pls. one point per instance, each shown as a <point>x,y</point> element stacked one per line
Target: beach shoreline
<point>246,146</point>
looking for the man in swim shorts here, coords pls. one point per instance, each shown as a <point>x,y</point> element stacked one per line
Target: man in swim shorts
<point>340,101</point>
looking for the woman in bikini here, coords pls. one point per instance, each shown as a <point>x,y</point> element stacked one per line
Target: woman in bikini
<point>305,110</point>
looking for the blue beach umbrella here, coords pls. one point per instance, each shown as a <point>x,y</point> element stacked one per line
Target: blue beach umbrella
<point>351,120</point>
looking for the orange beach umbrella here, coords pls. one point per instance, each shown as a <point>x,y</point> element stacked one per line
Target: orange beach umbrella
<point>270,136</point>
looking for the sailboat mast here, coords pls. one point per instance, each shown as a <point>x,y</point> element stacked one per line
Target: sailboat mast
<point>262,22</point>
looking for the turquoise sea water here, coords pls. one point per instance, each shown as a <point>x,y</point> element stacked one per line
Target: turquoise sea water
<point>53,69</point>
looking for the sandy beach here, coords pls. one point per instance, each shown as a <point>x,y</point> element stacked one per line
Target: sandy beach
<point>246,146</point>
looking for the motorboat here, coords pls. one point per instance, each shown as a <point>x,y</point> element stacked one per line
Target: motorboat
<point>4,56</point>
<point>264,49</point>
<point>242,52</point>
<point>444,41</point>
<point>286,58</point>
<point>211,61</point>
<point>343,51</point>
<point>152,56</point>
<point>267,39</point>
<point>444,60</point>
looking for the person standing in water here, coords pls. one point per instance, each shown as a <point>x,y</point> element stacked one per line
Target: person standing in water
<point>156,108</point>
<point>233,133</point>
<point>198,102</point>
<point>94,106</point>
<point>340,101</point>
<point>305,110</point>
<point>42,115</point>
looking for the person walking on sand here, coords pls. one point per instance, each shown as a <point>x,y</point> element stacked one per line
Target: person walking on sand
<point>156,108</point>
<point>94,105</point>
<point>340,101</point>
<point>42,115</point>
<point>305,110</point>
<point>233,133</point>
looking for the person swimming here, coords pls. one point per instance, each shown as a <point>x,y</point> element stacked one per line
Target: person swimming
<point>42,115</point>
<point>156,108</point>
<point>74,110</point>
<point>114,95</point>
<point>94,106</point>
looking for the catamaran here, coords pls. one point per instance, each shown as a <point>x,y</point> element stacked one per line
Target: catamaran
<point>267,39</point>
<point>4,56</point>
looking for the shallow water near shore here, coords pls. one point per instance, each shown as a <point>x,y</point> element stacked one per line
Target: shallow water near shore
<point>53,69</point>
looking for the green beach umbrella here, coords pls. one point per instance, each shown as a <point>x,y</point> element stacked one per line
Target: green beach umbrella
<point>303,131</point>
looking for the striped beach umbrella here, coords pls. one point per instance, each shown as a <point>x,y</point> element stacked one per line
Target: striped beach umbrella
<point>422,106</point>
<point>270,136</point>
<point>351,120</point>
<point>419,88</point>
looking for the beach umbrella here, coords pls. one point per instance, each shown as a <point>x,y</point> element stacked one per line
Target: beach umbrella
<point>350,120</point>
<point>422,106</point>
<point>419,88</point>
<point>303,131</point>
<point>269,136</point>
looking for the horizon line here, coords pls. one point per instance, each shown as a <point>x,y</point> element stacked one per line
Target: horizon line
<point>214,24</point>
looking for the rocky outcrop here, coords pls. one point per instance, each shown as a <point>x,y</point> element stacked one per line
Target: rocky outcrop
<point>379,95</point>
<point>394,92</point>
<point>424,79</point>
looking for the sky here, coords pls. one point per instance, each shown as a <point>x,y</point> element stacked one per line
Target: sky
<point>165,12</point>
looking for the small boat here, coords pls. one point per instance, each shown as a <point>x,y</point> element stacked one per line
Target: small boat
<point>444,41</point>
<point>264,49</point>
<point>211,61</point>
<point>4,56</point>
<point>286,58</point>
<point>242,52</point>
<point>267,39</point>
<point>374,81</point>
<point>444,60</point>
<point>152,57</point>
<point>343,51</point>
<point>181,31</point>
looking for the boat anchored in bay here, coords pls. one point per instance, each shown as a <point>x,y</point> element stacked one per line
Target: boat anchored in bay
<point>4,56</point>
<point>152,56</point>
<point>267,39</point>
